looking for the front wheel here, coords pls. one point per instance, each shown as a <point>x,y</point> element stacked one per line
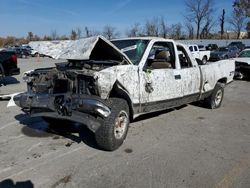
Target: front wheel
<point>215,99</point>
<point>113,131</point>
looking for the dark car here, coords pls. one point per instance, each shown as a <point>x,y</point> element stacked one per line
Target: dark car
<point>20,52</point>
<point>212,47</point>
<point>8,64</point>
<point>224,53</point>
<point>238,44</point>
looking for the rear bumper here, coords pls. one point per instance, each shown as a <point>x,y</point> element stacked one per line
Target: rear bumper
<point>14,71</point>
<point>77,108</point>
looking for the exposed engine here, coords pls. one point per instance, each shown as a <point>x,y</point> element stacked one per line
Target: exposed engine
<point>76,77</point>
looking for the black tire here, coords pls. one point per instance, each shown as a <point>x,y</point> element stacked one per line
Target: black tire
<point>2,75</point>
<point>215,99</point>
<point>114,129</point>
<point>204,60</point>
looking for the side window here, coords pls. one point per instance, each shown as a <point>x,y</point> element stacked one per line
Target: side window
<point>161,56</point>
<point>191,48</point>
<point>195,48</point>
<point>184,59</point>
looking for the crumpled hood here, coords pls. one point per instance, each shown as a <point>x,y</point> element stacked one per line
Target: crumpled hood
<point>93,48</point>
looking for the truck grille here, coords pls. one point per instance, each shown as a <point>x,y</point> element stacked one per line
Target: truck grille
<point>81,86</point>
<point>60,86</point>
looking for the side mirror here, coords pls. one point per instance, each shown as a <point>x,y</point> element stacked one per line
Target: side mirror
<point>199,62</point>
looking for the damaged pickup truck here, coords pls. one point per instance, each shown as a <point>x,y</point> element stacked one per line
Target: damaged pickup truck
<point>104,85</point>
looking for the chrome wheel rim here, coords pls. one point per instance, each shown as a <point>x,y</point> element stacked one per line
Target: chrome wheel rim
<point>218,97</point>
<point>121,123</point>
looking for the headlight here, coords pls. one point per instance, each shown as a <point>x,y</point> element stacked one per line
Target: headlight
<point>26,76</point>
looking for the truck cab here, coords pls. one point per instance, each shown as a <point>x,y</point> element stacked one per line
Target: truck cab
<point>203,55</point>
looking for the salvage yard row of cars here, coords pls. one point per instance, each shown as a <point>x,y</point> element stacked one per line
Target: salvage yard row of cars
<point>106,84</point>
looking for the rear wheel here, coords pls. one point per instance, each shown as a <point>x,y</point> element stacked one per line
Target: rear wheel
<point>113,132</point>
<point>215,99</point>
<point>204,60</point>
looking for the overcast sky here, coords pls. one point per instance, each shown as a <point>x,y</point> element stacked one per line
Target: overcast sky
<point>17,17</point>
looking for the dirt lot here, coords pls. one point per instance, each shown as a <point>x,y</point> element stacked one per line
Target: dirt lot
<point>186,147</point>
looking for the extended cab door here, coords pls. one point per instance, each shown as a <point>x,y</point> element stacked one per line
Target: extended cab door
<point>190,74</point>
<point>160,81</point>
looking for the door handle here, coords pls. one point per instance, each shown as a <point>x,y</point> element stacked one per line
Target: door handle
<point>177,77</point>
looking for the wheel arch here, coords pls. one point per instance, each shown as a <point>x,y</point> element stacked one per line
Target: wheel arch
<point>118,91</point>
<point>222,81</point>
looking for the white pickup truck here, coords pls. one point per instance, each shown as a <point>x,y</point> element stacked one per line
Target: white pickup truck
<point>105,85</point>
<point>203,55</point>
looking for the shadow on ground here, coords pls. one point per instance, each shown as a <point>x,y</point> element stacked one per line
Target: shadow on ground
<point>9,183</point>
<point>158,113</point>
<point>37,127</point>
<point>8,80</point>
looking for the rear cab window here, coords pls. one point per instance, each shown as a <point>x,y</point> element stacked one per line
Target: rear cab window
<point>185,61</point>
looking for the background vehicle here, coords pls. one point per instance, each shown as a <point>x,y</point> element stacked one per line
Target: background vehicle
<point>224,53</point>
<point>212,47</point>
<point>20,52</point>
<point>242,65</point>
<point>197,53</point>
<point>106,85</point>
<point>238,44</point>
<point>8,64</point>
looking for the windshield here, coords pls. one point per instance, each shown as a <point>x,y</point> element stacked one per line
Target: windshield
<point>133,48</point>
<point>245,53</point>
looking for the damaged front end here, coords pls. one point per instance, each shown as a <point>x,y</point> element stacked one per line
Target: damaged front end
<point>64,93</point>
<point>70,90</point>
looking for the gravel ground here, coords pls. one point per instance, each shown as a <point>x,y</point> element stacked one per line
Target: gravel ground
<point>187,147</point>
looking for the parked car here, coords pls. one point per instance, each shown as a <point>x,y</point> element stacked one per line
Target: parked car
<point>105,85</point>
<point>8,64</point>
<point>224,53</point>
<point>20,52</point>
<point>212,47</point>
<point>238,44</point>
<point>200,54</point>
<point>242,65</point>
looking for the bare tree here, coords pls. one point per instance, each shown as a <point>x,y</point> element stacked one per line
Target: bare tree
<point>78,33</point>
<point>134,31</point>
<point>206,30</point>
<point>190,30</point>
<point>30,36</point>
<point>163,28</point>
<point>222,22</point>
<point>242,7</point>
<point>46,38</point>
<point>248,29</point>
<point>197,11</point>
<point>237,21</point>
<point>152,27</point>
<point>73,35</point>
<point>87,32</point>
<point>110,32</point>
<point>54,35</point>
<point>176,31</point>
